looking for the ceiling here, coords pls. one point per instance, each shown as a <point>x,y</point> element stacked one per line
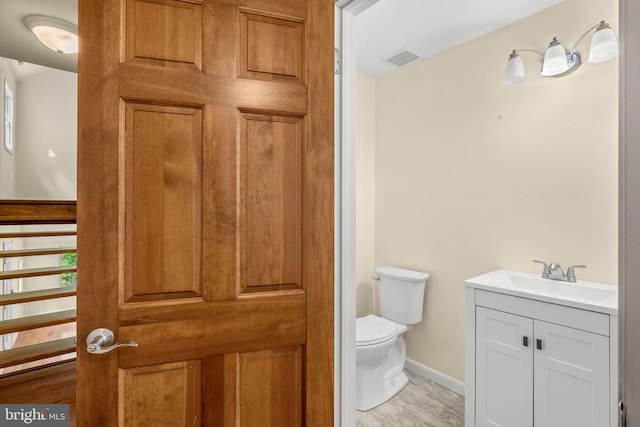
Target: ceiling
<point>428,27</point>
<point>17,42</point>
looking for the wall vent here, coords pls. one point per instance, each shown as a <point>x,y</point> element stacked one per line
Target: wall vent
<point>402,57</point>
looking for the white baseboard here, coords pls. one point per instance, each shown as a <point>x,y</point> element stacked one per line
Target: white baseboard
<point>435,376</point>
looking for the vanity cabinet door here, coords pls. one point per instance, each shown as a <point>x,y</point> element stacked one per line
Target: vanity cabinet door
<point>504,369</point>
<point>571,376</point>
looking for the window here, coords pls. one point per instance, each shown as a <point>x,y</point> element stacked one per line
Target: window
<point>8,117</point>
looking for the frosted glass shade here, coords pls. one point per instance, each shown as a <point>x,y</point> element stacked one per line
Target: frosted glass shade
<point>555,59</point>
<point>514,71</point>
<point>57,35</point>
<point>604,45</point>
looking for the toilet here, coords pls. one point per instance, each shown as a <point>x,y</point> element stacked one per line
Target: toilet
<point>380,346</point>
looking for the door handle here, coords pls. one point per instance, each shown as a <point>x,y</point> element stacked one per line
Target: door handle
<point>100,341</point>
<point>525,341</point>
<point>539,344</point>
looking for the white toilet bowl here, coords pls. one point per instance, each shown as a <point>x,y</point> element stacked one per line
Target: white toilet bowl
<point>380,356</point>
<point>380,346</point>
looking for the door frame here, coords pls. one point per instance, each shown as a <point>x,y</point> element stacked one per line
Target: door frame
<point>629,213</point>
<point>629,207</point>
<point>345,209</point>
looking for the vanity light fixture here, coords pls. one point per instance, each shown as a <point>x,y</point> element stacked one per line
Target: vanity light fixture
<point>56,34</point>
<point>557,62</point>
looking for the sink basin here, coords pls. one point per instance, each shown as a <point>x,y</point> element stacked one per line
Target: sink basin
<point>580,290</point>
<point>582,294</point>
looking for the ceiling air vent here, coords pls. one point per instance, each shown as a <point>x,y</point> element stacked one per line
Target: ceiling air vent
<point>403,57</point>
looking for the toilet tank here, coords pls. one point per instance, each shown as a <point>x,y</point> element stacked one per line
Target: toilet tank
<point>401,294</point>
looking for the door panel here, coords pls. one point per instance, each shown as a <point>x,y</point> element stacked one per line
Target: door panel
<point>271,388</point>
<point>272,48</point>
<point>167,394</point>
<point>205,211</point>
<point>571,377</point>
<point>271,187</point>
<point>163,163</point>
<point>269,384</point>
<point>504,371</point>
<point>164,32</point>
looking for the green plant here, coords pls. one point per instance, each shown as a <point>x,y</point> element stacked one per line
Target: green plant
<point>68,279</point>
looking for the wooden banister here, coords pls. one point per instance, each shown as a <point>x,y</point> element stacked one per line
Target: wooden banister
<point>44,294</point>
<point>37,252</point>
<point>35,272</point>
<point>21,234</point>
<point>19,212</point>
<point>40,338</point>
<point>38,321</point>
<point>40,351</point>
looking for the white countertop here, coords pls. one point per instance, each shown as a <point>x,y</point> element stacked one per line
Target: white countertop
<point>591,296</point>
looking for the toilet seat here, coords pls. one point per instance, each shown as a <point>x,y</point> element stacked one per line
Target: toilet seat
<point>372,330</point>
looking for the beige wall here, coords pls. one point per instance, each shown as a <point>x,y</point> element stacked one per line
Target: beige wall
<point>471,175</point>
<point>365,193</point>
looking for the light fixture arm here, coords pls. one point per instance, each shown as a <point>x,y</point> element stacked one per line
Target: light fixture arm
<point>573,49</point>
<point>529,50</point>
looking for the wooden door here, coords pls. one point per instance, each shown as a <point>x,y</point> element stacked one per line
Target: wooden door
<point>504,369</point>
<point>205,212</point>
<point>571,377</point>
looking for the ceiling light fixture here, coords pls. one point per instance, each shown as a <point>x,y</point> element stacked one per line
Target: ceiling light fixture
<point>56,34</point>
<point>557,62</point>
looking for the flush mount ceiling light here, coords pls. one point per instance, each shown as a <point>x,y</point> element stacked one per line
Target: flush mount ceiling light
<point>557,62</point>
<point>57,35</point>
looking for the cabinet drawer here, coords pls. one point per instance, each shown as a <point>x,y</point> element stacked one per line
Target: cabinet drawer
<point>585,320</point>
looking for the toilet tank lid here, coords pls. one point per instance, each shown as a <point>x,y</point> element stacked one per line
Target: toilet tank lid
<point>399,273</point>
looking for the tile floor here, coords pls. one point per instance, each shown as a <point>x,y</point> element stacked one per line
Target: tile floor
<point>422,403</point>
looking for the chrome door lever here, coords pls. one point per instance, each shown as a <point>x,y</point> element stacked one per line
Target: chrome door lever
<point>100,341</point>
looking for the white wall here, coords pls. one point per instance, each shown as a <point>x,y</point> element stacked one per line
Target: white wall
<point>46,116</point>
<point>471,175</point>
<point>7,160</point>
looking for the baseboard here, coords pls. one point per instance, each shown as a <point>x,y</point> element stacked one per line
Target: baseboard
<point>435,376</point>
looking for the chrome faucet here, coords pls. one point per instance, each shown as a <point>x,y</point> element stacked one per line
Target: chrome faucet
<point>554,271</point>
<point>571,275</point>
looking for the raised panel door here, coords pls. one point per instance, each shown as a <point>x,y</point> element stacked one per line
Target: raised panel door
<point>504,369</point>
<point>571,377</point>
<point>205,212</point>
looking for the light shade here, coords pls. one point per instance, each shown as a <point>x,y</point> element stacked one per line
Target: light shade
<point>555,59</point>
<point>57,35</point>
<point>514,71</point>
<point>604,45</point>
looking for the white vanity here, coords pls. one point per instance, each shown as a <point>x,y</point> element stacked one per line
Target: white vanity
<point>540,352</point>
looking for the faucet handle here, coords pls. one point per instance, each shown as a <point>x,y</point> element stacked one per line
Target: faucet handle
<point>545,272</point>
<point>571,275</point>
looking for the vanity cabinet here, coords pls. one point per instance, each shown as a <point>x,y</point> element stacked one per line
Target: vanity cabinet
<point>532,363</point>
<point>520,361</point>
